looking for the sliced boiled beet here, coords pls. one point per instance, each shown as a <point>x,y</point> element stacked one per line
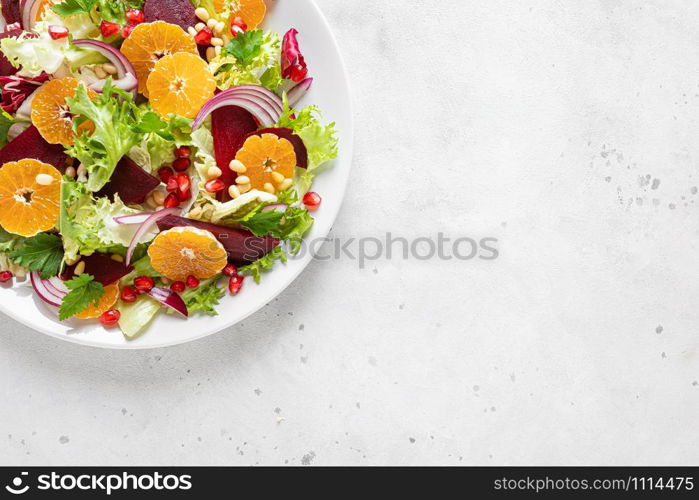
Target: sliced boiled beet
<point>230,126</point>
<point>6,68</point>
<point>130,182</point>
<point>102,267</point>
<point>11,11</point>
<point>30,144</point>
<point>295,140</point>
<point>179,12</point>
<point>242,246</point>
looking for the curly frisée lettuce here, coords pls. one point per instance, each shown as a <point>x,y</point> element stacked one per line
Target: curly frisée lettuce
<point>252,58</point>
<point>35,53</point>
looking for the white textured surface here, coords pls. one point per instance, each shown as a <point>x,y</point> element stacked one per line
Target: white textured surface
<point>535,122</point>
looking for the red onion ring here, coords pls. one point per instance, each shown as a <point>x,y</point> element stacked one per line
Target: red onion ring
<point>146,226</point>
<point>125,71</point>
<point>298,91</point>
<point>264,105</point>
<point>170,299</point>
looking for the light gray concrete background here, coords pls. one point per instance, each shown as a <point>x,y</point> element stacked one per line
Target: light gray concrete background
<point>569,130</point>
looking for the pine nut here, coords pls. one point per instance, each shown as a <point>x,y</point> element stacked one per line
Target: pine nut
<point>286,184</point>
<point>199,26</point>
<point>211,23</point>
<point>214,172</point>
<point>234,192</point>
<point>277,177</point>
<point>269,187</point>
<point>70,172</point>
<point>79,268</point>
<point>82,170</point>
<point>73,261</point>
<point>216,42</point>
<point>210,54</point>
<point>44,179</point>
<point>110,68</point>
<point>20,273</point>
<point>159,197</point>
<point>202,14</point>
<point>244,188</point>
<point>100,73</point>
<point>220,27</point>
<point>192,31</point>
<point>165,281</point>
<point>117,258</point>
<point>150,201</point>
<point>194,213</point>
<point>237,167</point>
<point>242,180</point>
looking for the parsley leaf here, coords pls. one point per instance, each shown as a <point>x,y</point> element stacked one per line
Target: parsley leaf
<point>43,253</point>
<point>246,47</point>
<point>84,292</point>
<point>74,7</point>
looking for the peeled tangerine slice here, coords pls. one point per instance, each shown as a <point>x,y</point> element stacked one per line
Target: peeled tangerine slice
<point>268,162</point>
<point>187,251</point>
<point>29,197</point>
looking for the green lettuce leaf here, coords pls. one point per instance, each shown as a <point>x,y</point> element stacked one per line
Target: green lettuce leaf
<point>36,52</point>
<point>204,298</point>
<point>264,264</point>
<point>136,316</point>
<point>253,58</point>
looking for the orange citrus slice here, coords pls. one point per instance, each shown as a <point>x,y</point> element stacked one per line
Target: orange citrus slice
<point>180,84</point>
<point>50,112</point>
<point>269,160</point>
<point>111,294</point>
<point>29,197</point>
<point>149,42</point>
<point>252,11</point>
<point>186,251</point>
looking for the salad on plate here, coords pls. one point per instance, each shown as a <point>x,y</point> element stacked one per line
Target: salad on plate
<point>153,155</point>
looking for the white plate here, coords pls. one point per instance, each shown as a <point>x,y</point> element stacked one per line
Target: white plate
<point>331,92</point>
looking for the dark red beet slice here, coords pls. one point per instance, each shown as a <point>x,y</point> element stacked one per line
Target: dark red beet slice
<point>6,69</point>
<point>179,12</point>
<point>11,11</point>
<point>130,182</point>
<point>30,144</point>
<point>243,247</point>
<point>295,140</point>
<point>230,126</point>
<point>102,267</point>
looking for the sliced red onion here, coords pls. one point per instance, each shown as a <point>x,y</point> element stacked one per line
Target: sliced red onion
<point>30,12</point>
<point>125,71</point>
<point>298,91</point>
<point>170,299</point>
<point>279,207</point>
<point>48,295</point>
<point>133,219</point>
<point>146,226</point>
<point>264,105</point>
<point>3,23</point>
<point>58,285</point>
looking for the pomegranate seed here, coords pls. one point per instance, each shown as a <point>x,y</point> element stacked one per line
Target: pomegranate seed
<point>135,16</point>
<point>58,32</point>
<point>143,283</point>
<point>181,164</point>
<point>192,281</point>
<point>184,183</point>
<point>171,201</point>
<point>215,185</point>
<point>178,286</point>
<point>108,29</point>
<point>128,294</point>
<point>230,270</point>
<point>126,30</point>
<point>6,276</point>
<point>312,201</point>
<point>184,195</point>
<point>238,22</point>
<point>165,173</point>
<point>183,152</point>
<point>110,318</point>
<point>298,73</point>
<point>204,36</point>
<point>235,284</point>
<point>171,184</point>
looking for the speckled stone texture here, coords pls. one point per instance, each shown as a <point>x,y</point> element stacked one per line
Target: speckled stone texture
<point>569,131</point>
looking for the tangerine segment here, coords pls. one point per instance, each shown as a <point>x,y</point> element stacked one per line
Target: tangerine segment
<point>51,114</point>
<point>149,42</point>
<point>180,83</point>
<point>111,295</point>
<point>252,11</point>
<point>269,159</point>
<point>30,192</point>
<point>187,251</point>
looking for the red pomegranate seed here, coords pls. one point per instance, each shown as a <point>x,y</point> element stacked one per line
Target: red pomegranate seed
<point>215,185</point>
<point>165,173</point>
<point>128,294</point>
<point>192,281</point>
<point>171,201</point>
<point>204,36</point>
<point>126,30</point>
<point>6,276</point>
<point>184,183</point>
<point>171,184</point>
<point>184,195</point>
<point>235,284</point>
<point>183,152</point>
<point>58,32</point>
<point>312,201</point>
<point>143,283</point>
<point>230,270</point>
<point>178,286</point>
<point>238,22</point>
<point>110,318</point>
<point>108,29</point>
<point>298,73</point>
<point>181,164</point>
<point>135,16</point>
